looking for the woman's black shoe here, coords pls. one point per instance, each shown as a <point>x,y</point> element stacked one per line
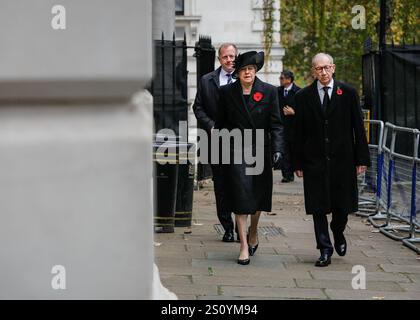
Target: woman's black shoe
<point>244,261</point>
<point>252,249</point>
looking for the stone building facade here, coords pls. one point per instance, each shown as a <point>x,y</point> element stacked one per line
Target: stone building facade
<point>237,21</point>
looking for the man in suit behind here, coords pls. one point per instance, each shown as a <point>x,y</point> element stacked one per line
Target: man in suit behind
<point>287,92</point>
<point>330,150</point>
<point>206,111</point>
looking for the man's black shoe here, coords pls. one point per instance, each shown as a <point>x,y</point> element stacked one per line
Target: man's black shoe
<point>341,246</point>
<point>288,179</point>
<point>228,237</point>
<point>323,261</point>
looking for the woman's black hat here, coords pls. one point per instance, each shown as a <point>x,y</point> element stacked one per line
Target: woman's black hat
<point>249,58</point>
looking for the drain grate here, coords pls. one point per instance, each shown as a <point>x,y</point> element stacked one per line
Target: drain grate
<point>271,231</point>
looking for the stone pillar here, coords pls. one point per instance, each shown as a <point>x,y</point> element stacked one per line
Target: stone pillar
<point>75,150</point>
<point>274,64</point>
<point>163,18</point>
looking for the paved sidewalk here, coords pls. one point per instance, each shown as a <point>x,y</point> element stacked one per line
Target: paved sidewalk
<point>200,266</point>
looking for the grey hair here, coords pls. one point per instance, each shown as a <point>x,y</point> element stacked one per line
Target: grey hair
<point>227,45</point>
<point>322,54</point>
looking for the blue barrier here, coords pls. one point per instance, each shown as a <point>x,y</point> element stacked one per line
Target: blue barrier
<point>369,183</point>
<point>411,241</point>
<point>400,181</point>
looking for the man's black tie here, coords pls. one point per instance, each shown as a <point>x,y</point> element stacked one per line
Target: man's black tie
<point>286,92</point>
<point>326,100</point>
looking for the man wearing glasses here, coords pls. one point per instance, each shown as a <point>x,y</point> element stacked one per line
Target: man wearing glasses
<point>329,151</point>
<point>287,92</point>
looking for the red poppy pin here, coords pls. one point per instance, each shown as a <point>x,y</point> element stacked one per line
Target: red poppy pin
<point>257,96</point>
<point>339,91</point>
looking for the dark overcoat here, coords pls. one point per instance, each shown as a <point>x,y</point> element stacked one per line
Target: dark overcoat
<point>328,147</point>
<point>205,108</point>
<point>206,100</point>
<point>288,121</point>
<point>251,193</point>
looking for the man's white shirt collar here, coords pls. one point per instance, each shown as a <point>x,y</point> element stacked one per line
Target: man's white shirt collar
<point>223,78</point>
<point>320,86</point>
<point>289,87</point>
<point>321,91</point>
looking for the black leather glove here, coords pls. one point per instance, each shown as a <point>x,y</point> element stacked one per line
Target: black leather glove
<point>277,161</point>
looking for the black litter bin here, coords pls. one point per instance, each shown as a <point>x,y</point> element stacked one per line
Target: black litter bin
<point>185,189</point>
<point>166,179</point>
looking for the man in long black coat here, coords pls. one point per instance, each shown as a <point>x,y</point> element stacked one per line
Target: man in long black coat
<point>207,112</point>
<point>330,150</point>
<point>287,92</point>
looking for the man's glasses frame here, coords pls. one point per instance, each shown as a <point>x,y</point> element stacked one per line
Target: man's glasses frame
<point>327,68</point>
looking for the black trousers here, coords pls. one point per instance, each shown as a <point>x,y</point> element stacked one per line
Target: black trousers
<point>338,225</point>
<point>222,205</point>
<point>287,171</point>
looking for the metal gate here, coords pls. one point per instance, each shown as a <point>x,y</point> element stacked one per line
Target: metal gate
<point>169,86</point>
<point>390,86</point>
<point>205,54</point>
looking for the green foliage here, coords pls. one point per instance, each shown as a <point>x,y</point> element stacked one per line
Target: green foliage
<point>312,26</point>
<point>268,11</point>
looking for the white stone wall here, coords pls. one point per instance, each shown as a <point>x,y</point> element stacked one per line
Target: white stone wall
<point>76,161</point>
<point>163,12</point>
<point>104,45</point>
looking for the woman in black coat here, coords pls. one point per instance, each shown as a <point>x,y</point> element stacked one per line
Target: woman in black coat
<point>248,105</point>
